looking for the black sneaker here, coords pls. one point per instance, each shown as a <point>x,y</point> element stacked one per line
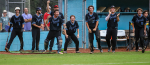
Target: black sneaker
<point>6,49</point>
<point>143,50</point>
<point>109,49</point>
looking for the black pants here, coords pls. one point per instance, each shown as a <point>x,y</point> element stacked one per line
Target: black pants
<point>139,34</point>
<point>36,38</point>
<point>52,35</point>
<point>91,38</point>
<point>13,35</point>
<point>74,38</point>
<point>111,32</point>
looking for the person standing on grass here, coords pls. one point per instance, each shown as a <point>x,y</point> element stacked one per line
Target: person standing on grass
<point>4,21</point>
<point>139,27</point>
<point>70,29</point>
<point>27,18</point>
<point>92,22</point>
<point>112,27</point>
<point>55,27</point>
<point>36,26</point>
<point>18,27</point>
<point>60,16</point>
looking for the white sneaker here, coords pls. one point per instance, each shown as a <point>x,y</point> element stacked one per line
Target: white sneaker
<point>60,53</point>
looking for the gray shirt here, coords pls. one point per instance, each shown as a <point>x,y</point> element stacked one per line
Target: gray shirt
<point>4,21</point>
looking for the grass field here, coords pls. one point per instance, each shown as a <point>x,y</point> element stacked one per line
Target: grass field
<point>118,58</point>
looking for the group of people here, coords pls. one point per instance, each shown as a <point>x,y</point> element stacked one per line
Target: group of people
<point>53,22</point>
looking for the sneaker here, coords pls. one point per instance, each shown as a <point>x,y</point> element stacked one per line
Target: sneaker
<point>113,51</point>
<point>91,52</point>
<point>101,51</point>
<point>78,52</point>
<point>32,51</point>
<point>21,50</point>
<point>6,49</point>
<point>140,48</point>
<point>60,53</point>
<point>109,49</point>
<point>143,50</point>
<point>64,51</point>
<point>44,51</point>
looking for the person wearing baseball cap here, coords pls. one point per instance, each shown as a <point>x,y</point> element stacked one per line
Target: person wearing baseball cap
<point>18,27</point>
<point>36,26</point>
<point>112,27</point>
<point>61,16</point>
<point>4,21</point>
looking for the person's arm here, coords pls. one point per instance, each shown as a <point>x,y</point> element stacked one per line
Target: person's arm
<point>1,26</point>
<point>86,18</point>
<point>97,19</point>
<point>48,5</point>
<point>65,28</point>
<point>107,18</point>
<point>144,26</point>
<point>133,20</point>
<point>118,17</point>
<point>78,33</point>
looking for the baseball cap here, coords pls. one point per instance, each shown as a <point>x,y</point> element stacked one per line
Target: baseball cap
<point>38,8</point>
<point>56,6</point>
<point>112,6</point>
<point>4,11</point>
<point>17,8</point>
<point>49,7</point>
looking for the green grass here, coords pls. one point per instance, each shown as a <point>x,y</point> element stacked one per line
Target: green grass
<point>118,58</point>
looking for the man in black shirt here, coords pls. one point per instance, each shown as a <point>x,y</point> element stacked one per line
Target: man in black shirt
<point>112,27</point>
<point>18,27</point>
<point>55,28</point>
<point>61,16</point>
<point>36,25</point>
<point>139,27</point>
<point>92,25</point>
<point>69,31</point>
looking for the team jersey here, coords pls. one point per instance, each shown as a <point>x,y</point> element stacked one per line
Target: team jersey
<point>56,23</point>
<point>139,21</point>
<point>112,22</point>
<point>36,20</point>
<point>71,27</point>
<point>17,22</point>
<point>91,19</point>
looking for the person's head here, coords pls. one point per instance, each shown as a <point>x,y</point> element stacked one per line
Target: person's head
<point>17,10</point>
<point>91,8</point>
<point>139,11</point>
<point>56,13</point>
<point>145,13</point>
<point>112,9</point>
<point>26,10</point>
<point>4,13</point>
<point>48,8</point>
<point>38,10</point>
<point>56,7</point>
<point>72,18</point>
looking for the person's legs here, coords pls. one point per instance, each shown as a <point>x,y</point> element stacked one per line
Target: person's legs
<point>20,35</point>
<point>33,38</point>
<point>114,39</point>
<point>13,35</point>
<point>51,44</point>
<point>75,39</point>
<point>142,39</point>
<point>108,37</point>
<point>91,38</point>
<point>37,39</point>
<point>97,34</point>
<point>137,38</point>
<point>58,36</point>
<point>66,43</point>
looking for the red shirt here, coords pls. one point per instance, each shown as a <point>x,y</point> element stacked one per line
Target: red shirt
<point>45,17</point>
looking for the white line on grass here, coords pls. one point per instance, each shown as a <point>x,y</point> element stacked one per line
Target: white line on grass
<point>107,63</point>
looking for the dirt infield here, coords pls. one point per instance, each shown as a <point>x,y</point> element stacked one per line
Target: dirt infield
<point>72,50</point>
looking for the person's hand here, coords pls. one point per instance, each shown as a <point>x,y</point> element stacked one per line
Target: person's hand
<point>94,29</point>
<point>109,12</point>
<point>89,30</point>
<point>39,26</point>
<point>66,36</point>
<point>78,36</point>
<point>118,14</point>
<point>48,1</point>
<point>22,29</point>
<point>133,30</point>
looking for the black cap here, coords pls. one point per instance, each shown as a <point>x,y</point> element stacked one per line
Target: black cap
<point>112,6</point>
<point>38,8</point>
